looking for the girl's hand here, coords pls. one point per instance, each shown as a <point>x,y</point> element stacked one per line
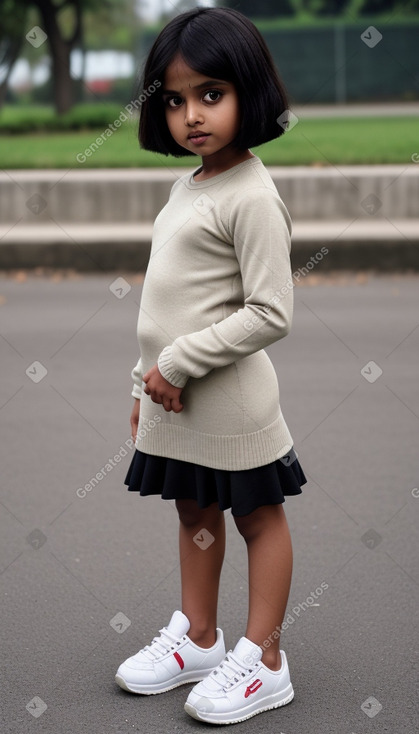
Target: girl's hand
<point>135,417</point>
<point>161,391</point>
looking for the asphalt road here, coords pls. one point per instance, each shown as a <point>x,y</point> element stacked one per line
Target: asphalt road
<point>88,577</point>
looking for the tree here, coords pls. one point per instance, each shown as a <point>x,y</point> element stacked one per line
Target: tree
<point>261,8</point>
<point>336,8</point>
<point>62,38</point>
<point>13,15</point>
<point>62,22</point>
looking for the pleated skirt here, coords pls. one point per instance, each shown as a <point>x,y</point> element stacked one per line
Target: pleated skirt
<point>242,491</point>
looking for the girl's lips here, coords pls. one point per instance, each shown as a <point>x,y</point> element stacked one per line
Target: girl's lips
<point>199,139</point>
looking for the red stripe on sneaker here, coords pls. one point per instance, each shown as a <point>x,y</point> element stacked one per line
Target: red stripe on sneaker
<point>179,660</point>
<point>253,687</point>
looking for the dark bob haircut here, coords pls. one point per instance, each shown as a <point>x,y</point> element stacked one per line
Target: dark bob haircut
<point>223,44</point>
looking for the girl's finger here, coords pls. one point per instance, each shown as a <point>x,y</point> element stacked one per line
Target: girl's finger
<point>167,404</point>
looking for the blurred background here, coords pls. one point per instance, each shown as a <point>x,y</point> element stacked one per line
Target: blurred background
<point>92,48</point>
<point>72,67</point>
<point>69,106</point>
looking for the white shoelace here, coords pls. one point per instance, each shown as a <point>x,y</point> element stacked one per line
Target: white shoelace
<point>161,645</point>
<point>230,671</point>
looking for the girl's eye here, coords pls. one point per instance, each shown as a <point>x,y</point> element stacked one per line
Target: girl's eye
<point>173,101</point>
<point>213,95</point>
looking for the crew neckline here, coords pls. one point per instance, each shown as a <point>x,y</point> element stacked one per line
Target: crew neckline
<point>220,176</point>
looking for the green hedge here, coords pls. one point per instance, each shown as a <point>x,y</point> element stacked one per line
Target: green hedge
<point>17,119</point>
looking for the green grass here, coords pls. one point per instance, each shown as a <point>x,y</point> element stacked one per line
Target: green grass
<point>311,142</point>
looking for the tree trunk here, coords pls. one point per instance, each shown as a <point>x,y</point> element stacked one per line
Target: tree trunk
<point>63,84</point>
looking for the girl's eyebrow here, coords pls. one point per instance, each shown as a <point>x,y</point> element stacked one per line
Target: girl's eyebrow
<point>209,83</point>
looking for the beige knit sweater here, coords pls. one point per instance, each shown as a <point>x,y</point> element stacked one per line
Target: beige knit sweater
<point>217,290</point>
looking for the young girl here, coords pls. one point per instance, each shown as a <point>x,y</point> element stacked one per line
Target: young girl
<point>209,429</point>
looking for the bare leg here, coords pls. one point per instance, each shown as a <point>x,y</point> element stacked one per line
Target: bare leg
<point>269,550</point>
<point>201,562</point>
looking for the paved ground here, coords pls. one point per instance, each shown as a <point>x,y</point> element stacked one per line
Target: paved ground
<point>88,580</point>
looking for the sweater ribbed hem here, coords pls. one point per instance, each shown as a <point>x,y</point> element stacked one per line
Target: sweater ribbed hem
<point>167,369</point>
<point>137,392</point>
<point>232,453</point>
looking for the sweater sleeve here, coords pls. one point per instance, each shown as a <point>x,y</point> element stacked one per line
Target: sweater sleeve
<point>260,228</point>
<point>137,376</point>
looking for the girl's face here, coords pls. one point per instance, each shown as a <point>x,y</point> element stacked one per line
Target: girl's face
<point>202,114</point>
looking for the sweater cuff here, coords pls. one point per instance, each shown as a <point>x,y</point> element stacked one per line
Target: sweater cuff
<point>137,376</point>
<point>137,392</point>
<point>167,369</point>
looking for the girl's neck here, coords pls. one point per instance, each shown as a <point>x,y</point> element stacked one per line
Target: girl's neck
<point>215,164</point>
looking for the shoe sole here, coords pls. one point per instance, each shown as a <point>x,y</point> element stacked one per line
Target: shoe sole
<point>217,718</point>
<point>153,689</point>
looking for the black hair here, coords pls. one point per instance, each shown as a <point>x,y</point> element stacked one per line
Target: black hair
<point>223,44</point>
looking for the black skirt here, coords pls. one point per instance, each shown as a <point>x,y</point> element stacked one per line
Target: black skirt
<point>242,491</point>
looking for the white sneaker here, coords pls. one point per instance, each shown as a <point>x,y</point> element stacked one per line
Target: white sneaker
<point>241,687</point>
<point>171,660</point>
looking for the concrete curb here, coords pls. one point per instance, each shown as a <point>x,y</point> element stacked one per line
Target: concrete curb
<point>361,244</point>
<point>101,219</point>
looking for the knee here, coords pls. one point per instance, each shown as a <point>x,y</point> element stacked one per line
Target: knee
<point>263,519</point>
<point>246,526</point>
<point>191,515</point>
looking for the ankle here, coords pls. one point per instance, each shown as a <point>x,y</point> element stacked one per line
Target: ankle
<point>272,660</point>
<point>203,639</point>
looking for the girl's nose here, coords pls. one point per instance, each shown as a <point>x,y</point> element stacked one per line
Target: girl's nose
<point>193,115</point>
